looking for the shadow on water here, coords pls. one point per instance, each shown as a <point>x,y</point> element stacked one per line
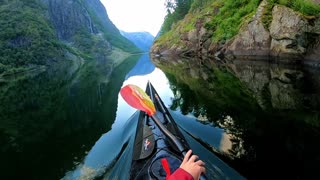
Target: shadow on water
<point>49,120</point>
<point>268,113</point>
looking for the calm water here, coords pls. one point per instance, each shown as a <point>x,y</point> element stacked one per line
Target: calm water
<point>262,119</point>
<point>269,113</point>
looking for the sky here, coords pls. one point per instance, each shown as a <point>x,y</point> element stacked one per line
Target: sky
<point>136,15</point>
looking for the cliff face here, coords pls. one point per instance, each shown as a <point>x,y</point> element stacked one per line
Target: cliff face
<point>68,17</point>
<point>41,32</point>
<point>74,18</point>
<point>288,34</point>
<point>97,7</point>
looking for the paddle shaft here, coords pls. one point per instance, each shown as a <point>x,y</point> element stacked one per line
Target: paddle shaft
<point>176,141</point>
<point>167,133</point>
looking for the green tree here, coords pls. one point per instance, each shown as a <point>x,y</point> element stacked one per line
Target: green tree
<point>176,10</point>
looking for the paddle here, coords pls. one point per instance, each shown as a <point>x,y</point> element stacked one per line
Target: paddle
<point>138,99</point>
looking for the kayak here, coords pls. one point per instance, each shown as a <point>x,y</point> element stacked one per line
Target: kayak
<point>153,142</point>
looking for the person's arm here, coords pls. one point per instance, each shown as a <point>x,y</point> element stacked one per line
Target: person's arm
<point>190,169</point>
<point>180,174</point>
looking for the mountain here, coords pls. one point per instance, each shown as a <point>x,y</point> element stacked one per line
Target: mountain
<point>142,40</point>
<point>235,28</point>
<point>41,32</point>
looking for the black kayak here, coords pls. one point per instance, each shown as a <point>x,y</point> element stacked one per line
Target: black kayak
<point>153,144</point>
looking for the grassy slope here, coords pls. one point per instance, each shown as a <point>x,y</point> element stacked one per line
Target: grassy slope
<point>227,16</point>
<point>26,37</point>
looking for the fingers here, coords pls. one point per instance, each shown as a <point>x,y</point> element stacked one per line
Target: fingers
<point>203,169</point>
<point>193,158</point>
<point>200,163</point>
<point>187,156</point>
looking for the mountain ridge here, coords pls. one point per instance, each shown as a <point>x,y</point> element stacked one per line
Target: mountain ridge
<point>142,40</point>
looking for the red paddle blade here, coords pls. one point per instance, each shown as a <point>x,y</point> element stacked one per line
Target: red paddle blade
<point>137,98</point>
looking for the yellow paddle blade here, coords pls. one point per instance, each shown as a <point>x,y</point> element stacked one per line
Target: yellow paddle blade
<point>137,98</point>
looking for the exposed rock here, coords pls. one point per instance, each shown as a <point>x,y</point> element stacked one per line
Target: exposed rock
<point>68,17</point>
<point>316,1</point>
<point>195,42</point>
<point>253,38</point>
<point>287,30</point>
<point>290,35</point>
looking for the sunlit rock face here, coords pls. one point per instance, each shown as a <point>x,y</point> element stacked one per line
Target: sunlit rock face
<point>253,39</point>
<point>289,35</point>
<point>288,30</point>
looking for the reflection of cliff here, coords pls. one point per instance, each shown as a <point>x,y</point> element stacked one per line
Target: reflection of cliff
<point>275,86</point>
<point>215,94</point>
<point>205,86</point>
<point>49,120</point>
<point>283,133</point>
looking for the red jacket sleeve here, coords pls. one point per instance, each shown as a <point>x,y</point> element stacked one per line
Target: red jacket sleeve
<point>180,174</point>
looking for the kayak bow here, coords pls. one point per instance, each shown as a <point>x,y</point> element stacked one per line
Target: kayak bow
<point>157,135</point>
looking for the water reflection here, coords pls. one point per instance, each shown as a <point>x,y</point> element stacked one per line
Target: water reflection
<point>269,113</point>
<point>279,86</point>
<point>50,119</point>
<point>260,118</point>
<point>111,155</point>
<point>143,67</point>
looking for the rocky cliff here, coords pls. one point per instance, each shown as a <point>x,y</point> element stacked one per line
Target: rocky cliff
<point>85,18</point>
<point>289,34</point>
<point>41,32</point>
<point>271,30</point>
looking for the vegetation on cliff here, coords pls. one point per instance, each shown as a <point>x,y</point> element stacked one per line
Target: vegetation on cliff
<point>176,10</point>
<point>38,32</point>
<point>307,8</point>
<point>26,37</point>
<point>223,18</point>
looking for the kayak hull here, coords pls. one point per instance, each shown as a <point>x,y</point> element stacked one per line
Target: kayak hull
<point>152,145</point>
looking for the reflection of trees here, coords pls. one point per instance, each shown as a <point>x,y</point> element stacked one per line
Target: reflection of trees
<point>216,94</point>
<point>48,121</point>
<point>271,112</point>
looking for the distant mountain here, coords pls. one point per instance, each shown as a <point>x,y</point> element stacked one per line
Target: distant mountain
<point>143,66</point>
<point>142,40</point>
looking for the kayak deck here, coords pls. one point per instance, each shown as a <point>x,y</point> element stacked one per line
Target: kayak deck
<point>151,144</point>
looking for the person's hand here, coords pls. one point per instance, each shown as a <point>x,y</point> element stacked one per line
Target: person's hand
<point>193,167</point>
